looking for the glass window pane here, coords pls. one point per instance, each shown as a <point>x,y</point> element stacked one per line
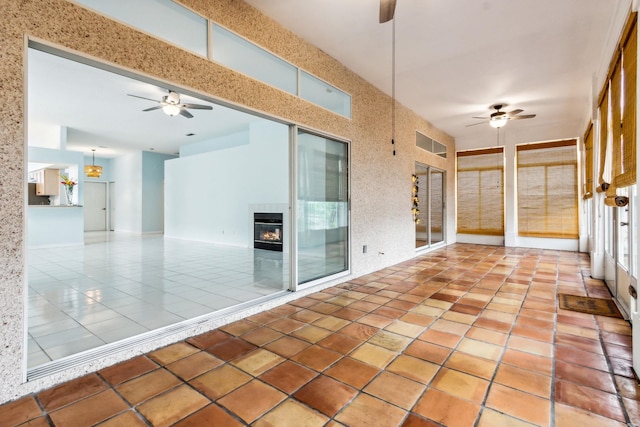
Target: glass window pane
<point>323,94</point>
<point>422,216</point>
<point>323,216</point>
<point>238,54</point>
<point>437,207</point>
<point>187,30</point>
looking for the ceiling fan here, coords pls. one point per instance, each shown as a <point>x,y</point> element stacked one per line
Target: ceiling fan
<point>499,118</point>
<point>387,9</point>
<point>171,105</point>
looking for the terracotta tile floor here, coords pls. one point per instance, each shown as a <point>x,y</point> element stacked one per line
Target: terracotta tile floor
<point>468,335</point>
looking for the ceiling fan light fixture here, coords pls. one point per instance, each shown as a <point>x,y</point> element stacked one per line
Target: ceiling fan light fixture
<point>171,109</point>
<point>498,122</point>
<point>92,170</point>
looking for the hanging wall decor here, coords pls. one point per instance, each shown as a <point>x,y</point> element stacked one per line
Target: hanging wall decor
<point>414,199</point>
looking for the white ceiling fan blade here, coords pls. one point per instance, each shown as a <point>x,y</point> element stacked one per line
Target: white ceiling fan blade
<point>387,10</point>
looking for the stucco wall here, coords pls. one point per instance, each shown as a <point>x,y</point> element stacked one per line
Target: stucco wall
<point>380,182</point>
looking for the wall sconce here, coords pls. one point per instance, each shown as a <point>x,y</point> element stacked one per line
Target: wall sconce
<point>414,198</point>
<point>92,170</point>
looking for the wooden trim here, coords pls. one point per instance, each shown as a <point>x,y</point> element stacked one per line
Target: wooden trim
<point>481,152</point>
<point>550,144</point>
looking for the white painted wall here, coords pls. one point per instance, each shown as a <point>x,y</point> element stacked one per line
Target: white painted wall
<point>207,195</point>
<point>127,173</point>
<point>153,191</point>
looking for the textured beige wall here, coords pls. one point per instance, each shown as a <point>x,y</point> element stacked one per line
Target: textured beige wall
<point>381,183</point>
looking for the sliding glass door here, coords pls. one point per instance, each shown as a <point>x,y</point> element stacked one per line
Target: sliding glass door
<point>430,216</point>
<point>322,207</point>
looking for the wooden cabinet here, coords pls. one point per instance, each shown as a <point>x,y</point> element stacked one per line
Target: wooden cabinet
<point>48,182</point>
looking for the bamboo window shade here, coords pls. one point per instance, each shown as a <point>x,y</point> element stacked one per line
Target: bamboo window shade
<point>588,163</point>
<point>548,190</point>
<point>604,130</point>
<point>481,192</point>
<point>627,175</point>
<point>616,130</point>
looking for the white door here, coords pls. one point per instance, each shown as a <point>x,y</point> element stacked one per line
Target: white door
<point>95,206</point>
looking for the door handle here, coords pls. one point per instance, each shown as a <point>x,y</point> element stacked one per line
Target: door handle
<point>622,223</point>
<point>104,209</point>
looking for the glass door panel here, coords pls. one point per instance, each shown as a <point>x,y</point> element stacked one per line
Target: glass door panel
<point>322,207</point>
<point>436,198</point>
<point>422,216</point>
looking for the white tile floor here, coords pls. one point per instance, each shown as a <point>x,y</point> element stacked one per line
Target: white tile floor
<point>116,286</point>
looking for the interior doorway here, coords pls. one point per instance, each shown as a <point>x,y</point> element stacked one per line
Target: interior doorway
<point>95,206</point>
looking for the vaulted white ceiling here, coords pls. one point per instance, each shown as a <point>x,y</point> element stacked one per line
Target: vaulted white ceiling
<point>455,58</point>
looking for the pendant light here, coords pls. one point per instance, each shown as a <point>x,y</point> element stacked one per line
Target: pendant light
<point>92,170</point>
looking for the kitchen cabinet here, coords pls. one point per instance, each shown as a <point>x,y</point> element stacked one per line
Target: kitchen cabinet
<point>48,182</point>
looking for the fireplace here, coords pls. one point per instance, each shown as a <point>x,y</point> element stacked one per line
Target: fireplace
<point>267,231</point>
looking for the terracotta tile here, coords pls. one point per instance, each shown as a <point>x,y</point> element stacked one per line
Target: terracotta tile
<point>209,339</point>
<point>491,418</point>
<point>415,421</point>
<point>331,323</point>
<point>390,312</point>
<point>579,342</point>
<point>126,370</point>
<point>486,335</point>
<point>461,385</point>
<point>450,327</point>
<point>534,322</point>
<point>292,414</point>
<point>414,369</point>
<point>569,416</point>
<point>89,411</point>
<point>444,339</point>
<point>220,381</point>
<point>446,409</point>
<point>473,365</point>
<point>395,389</point>
<point>239,327</point>
<point>622,367</point>
<point>37,422</point>
<point>633,410</point>
<point>286,325</point>
<point>262,397</point>
<point>325,395</point>
<point>194,365</point>
<point>304,302</point>
<point>453,316</point>
<point>264,318</point>
<point>528,361</point>
<point>618,351</point>
<point>287,346</point>
<point>624,340</point>
<point>257,362</point>
<point>173,406</point>
<point>530,346</point>
<point>523,380</point>
<point>71,391</point>
<point>352,372</point>
<point>417,319</point>
<point>628,387</point>
<point>494,325</point>
<point>585,376</point>
<point>261,336</point>
<point>524,406</point>
<point>126,419</point>
<point>466,309</point>
<point>288,376</point>
<point>375,320</point>
<point>230,349</point>
<point>148,385</point>
<point>374,355</point>
<point>19,411</point>
<point>407,329</point>
<point>346,298</point>
<point>172,353</point>
<point>211,415</point>
<point>311,334</point>
<point>316,357</point>
<point>348,313</point>
<point>480,349</point>
<point>341,343</point>
<point>368,411</point>
<point>597,401</point>
<point>325,308</point>
<point>390,341</point>
<point>306,316</point>
<point>573,355</point>
<point>359,331</point>
<point>401,305</point>
<point>545,335</point>
<point>427,351</point>
<point>364,306</point>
